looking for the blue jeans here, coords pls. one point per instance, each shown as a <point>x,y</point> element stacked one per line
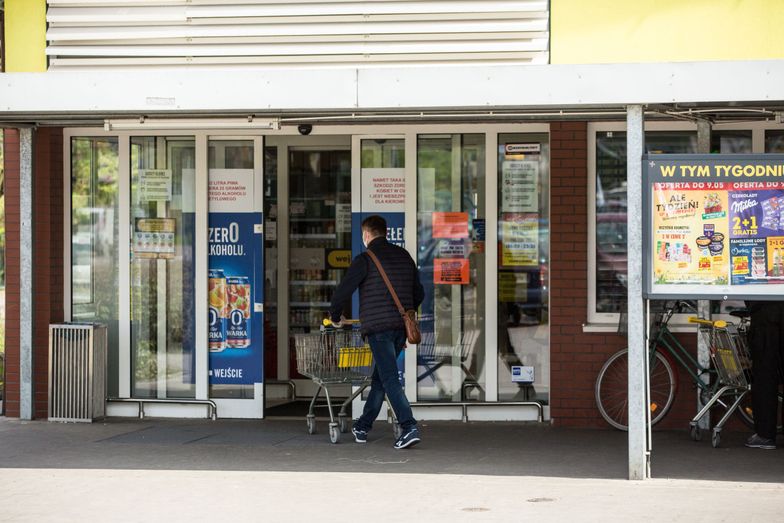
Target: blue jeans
<point>386,346</point>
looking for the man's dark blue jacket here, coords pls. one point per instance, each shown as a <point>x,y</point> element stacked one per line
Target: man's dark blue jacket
<point>377,309</point>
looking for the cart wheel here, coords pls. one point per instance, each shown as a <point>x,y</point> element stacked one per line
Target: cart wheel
<point>334,433</point>
<point>396,430</point>
<point>311,419</point>
<point>696,433</point>
<point>716,439</point>
<point>343,424</point>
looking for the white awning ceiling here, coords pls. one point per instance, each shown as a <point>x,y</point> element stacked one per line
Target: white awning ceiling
<point>395,90</point>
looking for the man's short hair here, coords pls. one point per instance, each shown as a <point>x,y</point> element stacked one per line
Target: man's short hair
<point>376,225</point>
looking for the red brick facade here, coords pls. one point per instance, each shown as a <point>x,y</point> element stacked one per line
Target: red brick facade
<point>576,356</point>
<point>47,260</point>
<point>11,187</point>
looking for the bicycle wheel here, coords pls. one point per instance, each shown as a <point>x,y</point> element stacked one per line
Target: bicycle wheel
<point>612,388</point>
<point>746,413</point>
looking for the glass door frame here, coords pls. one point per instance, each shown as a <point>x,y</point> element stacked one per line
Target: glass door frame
<point>288,136</point>
<point>226,407</point>
<point>284,142</point>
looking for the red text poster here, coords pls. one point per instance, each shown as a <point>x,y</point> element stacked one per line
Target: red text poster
<point>450,271</point>
<point>450,225</point>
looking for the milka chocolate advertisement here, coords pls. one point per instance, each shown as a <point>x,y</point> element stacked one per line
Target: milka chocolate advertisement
<point>714,226</point>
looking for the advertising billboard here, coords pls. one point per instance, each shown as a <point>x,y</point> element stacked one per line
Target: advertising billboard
<point>713,226</point>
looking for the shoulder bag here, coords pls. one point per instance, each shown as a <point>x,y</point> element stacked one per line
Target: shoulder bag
<point>409,316</point>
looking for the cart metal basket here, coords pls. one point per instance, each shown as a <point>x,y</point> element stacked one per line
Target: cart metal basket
<point>331,357</point>
<point>730,356</point>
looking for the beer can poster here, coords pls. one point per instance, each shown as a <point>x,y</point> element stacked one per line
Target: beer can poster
<point>235,284</point>
<point>714,227</point>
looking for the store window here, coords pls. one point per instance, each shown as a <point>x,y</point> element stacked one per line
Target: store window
<point>451,257</point>
<point>523,268</point>
<point>94,239</point>
<point>774,141</point>
<point>610,209</point>
<point>731,142</point>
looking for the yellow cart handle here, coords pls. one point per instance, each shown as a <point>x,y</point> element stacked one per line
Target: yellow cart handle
<point>328,322</point>
<point>719,324</point>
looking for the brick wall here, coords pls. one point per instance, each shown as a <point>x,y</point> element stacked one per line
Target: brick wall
<point>47,260</point>
<point>577,356</point>
<point>11,186</point>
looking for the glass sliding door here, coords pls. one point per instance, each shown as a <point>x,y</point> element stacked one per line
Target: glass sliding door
<point>95,261</point>
<point>523,268</point>
<point>162,267</point>
<point>319,234</point>
<point>235,271</point>
<point>450,251</point>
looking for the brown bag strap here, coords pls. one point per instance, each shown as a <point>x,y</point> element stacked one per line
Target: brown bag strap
<point>386,280</point>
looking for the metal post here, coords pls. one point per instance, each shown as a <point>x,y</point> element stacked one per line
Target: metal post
<point>638,449</point>
<point>26,393</point>
<point>703,306</point>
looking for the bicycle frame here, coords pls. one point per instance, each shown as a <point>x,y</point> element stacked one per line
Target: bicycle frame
<point>665,339</point>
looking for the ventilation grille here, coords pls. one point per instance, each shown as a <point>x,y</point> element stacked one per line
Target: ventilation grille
<point>141,34</point>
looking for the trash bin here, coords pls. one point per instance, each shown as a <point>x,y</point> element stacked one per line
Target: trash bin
<point>77,371</point>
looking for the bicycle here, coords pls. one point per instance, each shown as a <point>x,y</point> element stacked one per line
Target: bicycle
<point>665,352</point>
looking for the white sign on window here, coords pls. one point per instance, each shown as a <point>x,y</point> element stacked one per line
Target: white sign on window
<point>155,185</point>
<point>343,217</point>
<point>231,190</point>
<point>383,189</point>
<point>520,186</point>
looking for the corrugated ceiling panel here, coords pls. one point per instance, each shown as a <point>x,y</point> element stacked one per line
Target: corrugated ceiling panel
<point>196,33</point>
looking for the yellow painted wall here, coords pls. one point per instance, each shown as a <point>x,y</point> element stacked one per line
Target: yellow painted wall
<point>25,36</point>
<point>625,31</point>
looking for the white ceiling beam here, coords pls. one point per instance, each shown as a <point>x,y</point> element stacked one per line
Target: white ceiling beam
<point>412,87</point>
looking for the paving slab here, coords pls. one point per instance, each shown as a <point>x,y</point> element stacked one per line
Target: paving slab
<point>199,470</point>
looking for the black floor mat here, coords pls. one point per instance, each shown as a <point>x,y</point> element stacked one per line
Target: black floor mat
<point>299,408</point>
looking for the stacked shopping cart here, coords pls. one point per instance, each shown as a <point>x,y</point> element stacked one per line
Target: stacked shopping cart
<point>730,356</point>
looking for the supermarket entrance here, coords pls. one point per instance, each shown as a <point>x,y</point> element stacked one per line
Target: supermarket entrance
<point>307,249</point>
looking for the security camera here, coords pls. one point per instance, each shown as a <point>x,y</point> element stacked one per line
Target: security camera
<point>304,129</point>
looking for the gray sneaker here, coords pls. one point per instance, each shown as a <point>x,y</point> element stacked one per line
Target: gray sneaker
<point>758,442</point>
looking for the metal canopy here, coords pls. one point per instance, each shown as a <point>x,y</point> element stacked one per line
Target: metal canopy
<point>708,90</point>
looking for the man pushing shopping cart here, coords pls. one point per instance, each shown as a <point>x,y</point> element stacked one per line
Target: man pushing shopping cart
<point>388,283</point>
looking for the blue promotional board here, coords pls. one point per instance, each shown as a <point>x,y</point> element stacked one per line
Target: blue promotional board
<point>236,280</point>
<point>236,354</point>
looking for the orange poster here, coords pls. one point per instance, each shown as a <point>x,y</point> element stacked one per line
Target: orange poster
<point>450,271</point>
<point>450,225</point>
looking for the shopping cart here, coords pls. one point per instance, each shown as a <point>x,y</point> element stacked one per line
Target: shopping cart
<point>730,356</point>
<point>334,357</point>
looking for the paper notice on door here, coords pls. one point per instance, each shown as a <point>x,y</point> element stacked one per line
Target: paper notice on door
<point>155,185</point>
<point>154,238</point>
<point>231,190</point>
<point>450,272</point>
<point>450,225</point>
<point>520,186</point>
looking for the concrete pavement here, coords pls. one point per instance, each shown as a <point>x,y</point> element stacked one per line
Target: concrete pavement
<point>171,470</point>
